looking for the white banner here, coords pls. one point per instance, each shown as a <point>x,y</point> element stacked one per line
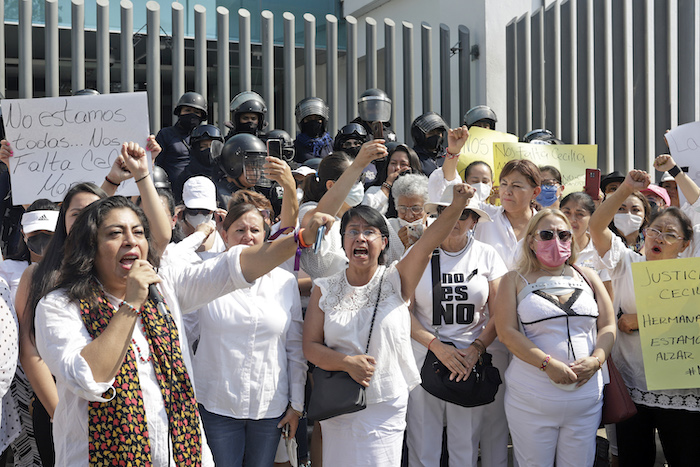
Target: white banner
<point>60,141</point>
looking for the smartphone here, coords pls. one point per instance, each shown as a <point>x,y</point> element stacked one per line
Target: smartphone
<point>592,186</point>
<point>274,148</point>
<point>319,238</point>
<point>377,130</point>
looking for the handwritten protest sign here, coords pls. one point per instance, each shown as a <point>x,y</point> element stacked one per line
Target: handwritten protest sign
<point>60,141</point>
<point>684,145</point>
<point>668,312</point>
<point>479,147</point>
<point>572,160</point>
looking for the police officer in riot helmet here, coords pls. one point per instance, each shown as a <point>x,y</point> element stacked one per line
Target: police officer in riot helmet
<point>482,116</point>
<point>248,114</point>
<point>428,132</point>
<point>238,170</point>
<point>160,179</point>
<point>350,138</point>
<point>287,143</point>
<point>206,142</point>
<point>313,141</point>
<point>191,110</point>
<point>374,105</point>
<point>541,136</point>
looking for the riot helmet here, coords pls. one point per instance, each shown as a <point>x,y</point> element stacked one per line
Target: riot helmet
<point>374,105</point>
<point>424,124</point>
<point>248,102</point>
<point>350,138</point>
<point>541,136</point>
<point>236,150</point>
<point>313,128</point>
<point>86,92</point>
<point>480,114</point>
<point>287,143</point>
<point>160,178</point>
<point>194,100</point>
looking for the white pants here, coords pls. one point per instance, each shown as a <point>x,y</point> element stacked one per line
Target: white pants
<point>372,437</point>
<point>425,420</point>
<point>494,433</point>
<point>545,430</point>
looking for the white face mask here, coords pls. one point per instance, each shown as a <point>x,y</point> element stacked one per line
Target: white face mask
<point>627,223</point>
<point>483,191</point>
<point>415,228</point>
<point>300,195</point>
<point>356,195</point>
<point>197,219</point>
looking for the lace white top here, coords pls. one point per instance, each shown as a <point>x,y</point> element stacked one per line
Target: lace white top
<point>627,351</point>
<point>347,319</point>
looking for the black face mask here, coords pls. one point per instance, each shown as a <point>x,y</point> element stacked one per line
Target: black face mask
<point>247,127</point>
<point>433,143</point>
<point>352,152</point>
<point>37,243</point>
<point>204,156</point>
<point>188,121</point>
<point>312,129</point>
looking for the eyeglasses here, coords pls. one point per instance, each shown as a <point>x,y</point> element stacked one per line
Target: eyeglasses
<point>463,217</point>
<point>668,237</point>
<point>547,235</point>
<point>264,212</point>
<point>195,212</point>
<point>550,182</point>
<point>416,209</point>
<point>367,233</point>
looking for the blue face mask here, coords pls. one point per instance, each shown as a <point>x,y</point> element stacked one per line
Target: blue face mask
<point>547,196</point>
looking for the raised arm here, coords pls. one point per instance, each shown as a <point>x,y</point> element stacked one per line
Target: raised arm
<point>691,191</point>
<point>456,138</point>
<point>602,237</point>
<point>334,198</point>
<point>412,265</point>
<point>279,171</point>
<point>136,162</point>
<point>260,259</point>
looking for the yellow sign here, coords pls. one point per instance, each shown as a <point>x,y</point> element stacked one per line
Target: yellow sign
<point>479,147</point>
<point>668,312</point>
<point>572,160</point>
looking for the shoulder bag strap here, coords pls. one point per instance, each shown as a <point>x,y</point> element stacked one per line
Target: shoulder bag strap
<point>578,270</point>
<point>374,314</point>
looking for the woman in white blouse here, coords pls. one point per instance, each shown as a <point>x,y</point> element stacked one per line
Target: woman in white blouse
<point>673,413</point>
<point>249,368</point>
<point>125,394</point>
<point>337,327</point>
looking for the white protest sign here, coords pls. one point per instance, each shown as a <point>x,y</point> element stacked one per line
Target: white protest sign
<point>684,145</point>
<point>60,141</point>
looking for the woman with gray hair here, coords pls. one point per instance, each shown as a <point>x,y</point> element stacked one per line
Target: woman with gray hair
<point>410,193</point>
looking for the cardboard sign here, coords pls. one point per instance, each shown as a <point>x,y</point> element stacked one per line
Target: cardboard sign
<point>684,146</point>
<point>668,311</point>
<point>60,141</point>
<point>572,160</point>
<point>479,147</point>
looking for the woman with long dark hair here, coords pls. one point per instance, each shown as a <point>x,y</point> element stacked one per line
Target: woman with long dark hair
<point>402,159</point>
<point>116,351</point>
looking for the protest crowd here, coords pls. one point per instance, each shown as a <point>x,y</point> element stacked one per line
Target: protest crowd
<point>356,299</point>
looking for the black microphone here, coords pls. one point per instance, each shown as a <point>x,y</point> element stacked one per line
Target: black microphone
<point>154,294</point>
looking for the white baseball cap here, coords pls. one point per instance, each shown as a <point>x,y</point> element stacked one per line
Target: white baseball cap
<point>199,193</point>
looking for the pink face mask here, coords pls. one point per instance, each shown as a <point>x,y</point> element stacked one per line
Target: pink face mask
<point>552,253</point>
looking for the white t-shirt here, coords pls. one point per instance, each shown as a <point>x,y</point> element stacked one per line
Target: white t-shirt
<point>465,287</point>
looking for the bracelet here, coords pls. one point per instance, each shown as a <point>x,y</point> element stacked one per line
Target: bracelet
<point>111,182</point>
<point>600,364</point>
<point>450,155</point>
<point>674,171</point>
<point>299,237</point>
<point>296,412</point>
<point>131,307</point>
<point>386,185</point>
<point>144,177</point>
<point>431,343</point>
<point>545,362</point>
<point>479,347</point>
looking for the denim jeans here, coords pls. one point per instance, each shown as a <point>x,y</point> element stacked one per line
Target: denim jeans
<point>237,442</point>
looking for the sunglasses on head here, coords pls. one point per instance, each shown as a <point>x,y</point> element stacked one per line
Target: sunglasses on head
<point>546,235</point>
